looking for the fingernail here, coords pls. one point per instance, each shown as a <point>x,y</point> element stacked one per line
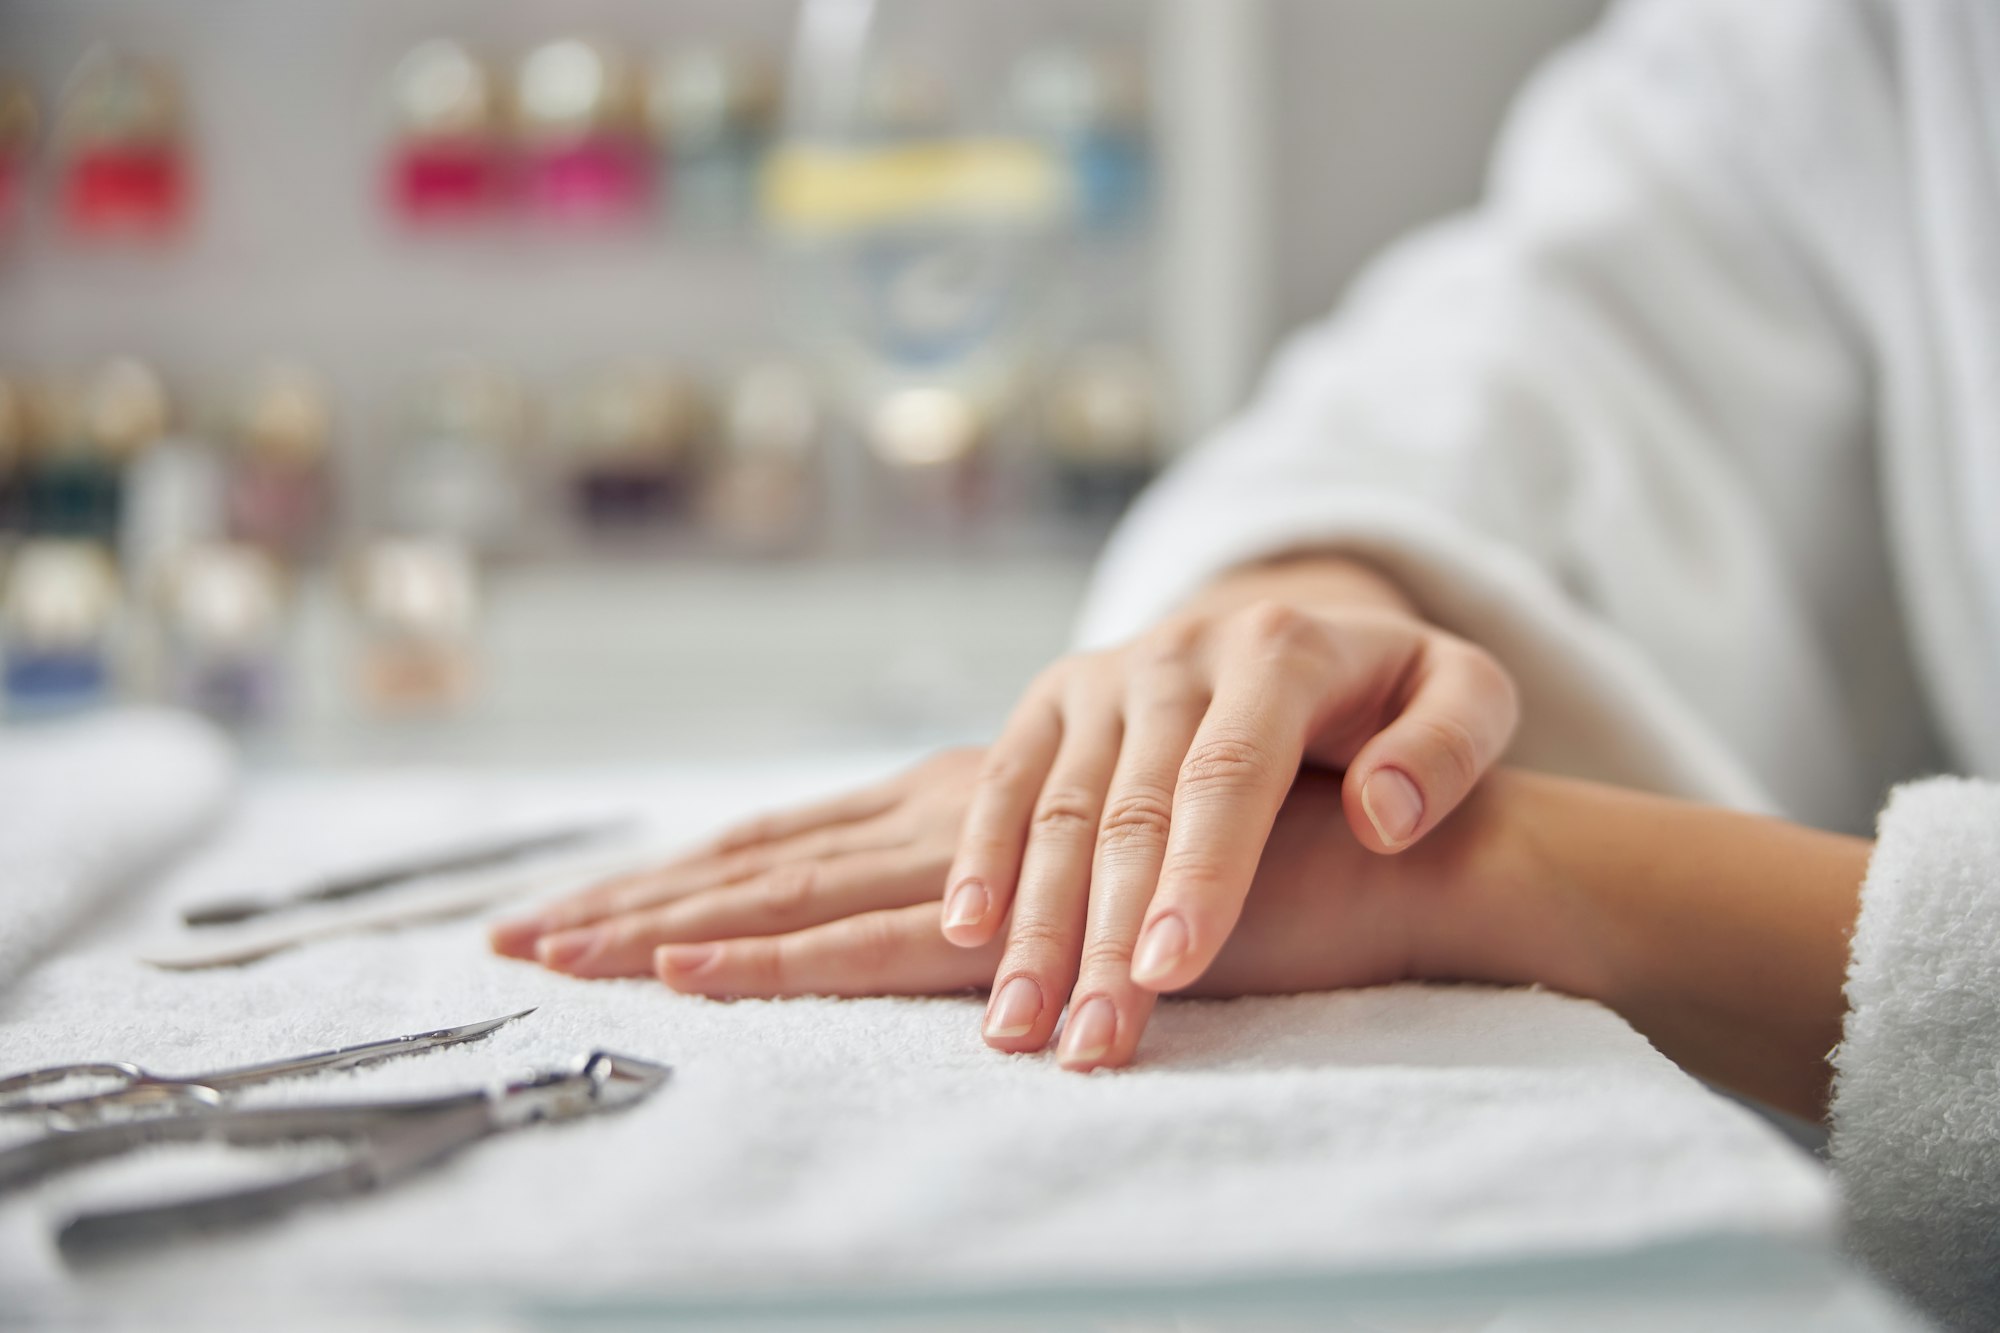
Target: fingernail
<point>1160,950</point>
<point>1089,1032</point>
<point>685,958</point>
<point>1014,1009</point>
<point>1393,804</point>
<point>567,949</point>
<point>516,938</point>
<point>967,905</point>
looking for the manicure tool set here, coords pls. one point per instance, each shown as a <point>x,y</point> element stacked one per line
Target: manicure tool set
<point>130,1108</point>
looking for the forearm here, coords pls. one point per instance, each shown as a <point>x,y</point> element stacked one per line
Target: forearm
<point>1721,936</point>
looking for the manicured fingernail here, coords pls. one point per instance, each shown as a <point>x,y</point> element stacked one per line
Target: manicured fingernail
<point>516,938</point>
<point>1160,950</point>
<point>966,906</point>
<point>1393,804</point>
<point>687,959</point>
<point>1089,1032</point>
<point>567,949</point>
<point>1014,1009</point>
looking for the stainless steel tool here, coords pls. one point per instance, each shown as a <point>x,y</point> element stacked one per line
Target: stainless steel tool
<point>370,880</point>
<point>397,1138</point>
<point>116,1086</point>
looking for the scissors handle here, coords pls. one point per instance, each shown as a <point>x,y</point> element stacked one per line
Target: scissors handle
<point>16,1089</point>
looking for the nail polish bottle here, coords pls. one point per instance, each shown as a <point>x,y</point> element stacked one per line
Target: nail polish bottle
<point>448,162</point>
<point>633,436</point>
<point>279,490</point>
<point>224,605</point>
<point>932,440</point>
<point>712,110</point>
<point>1101,426</point>
<point>18,123</point>
<point>765,494</point>
<point>584,156</point>
<point>57,620</point>
<point>456,469</point>
<point>416,609</point>
<point>122,156</point>
<point>1091,108</point>
<point>86,441</point>
<point>174,496</point>
<point>13,464</point>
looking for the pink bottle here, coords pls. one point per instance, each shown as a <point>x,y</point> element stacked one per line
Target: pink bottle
<point>124,164</point>
<point>585,159</point>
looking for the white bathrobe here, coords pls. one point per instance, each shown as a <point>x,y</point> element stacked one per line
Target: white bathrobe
<point>1696,423</point>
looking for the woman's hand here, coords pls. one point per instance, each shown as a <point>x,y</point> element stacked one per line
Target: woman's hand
<point>1118,821</point>
<point>1322,913</point>
<point>885,846</point>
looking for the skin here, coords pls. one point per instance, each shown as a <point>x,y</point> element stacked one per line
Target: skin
<point>1720,936</point>
<point>1111,834</point>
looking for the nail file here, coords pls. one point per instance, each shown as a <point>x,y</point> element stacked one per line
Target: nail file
<point>414,905</point>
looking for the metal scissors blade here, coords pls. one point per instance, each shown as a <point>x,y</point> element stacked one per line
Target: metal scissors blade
<point>398,1138</point>
<point>133,1087</point>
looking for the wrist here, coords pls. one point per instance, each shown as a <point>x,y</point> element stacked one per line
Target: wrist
<point>1500,904</point>
<point>1313,581</point>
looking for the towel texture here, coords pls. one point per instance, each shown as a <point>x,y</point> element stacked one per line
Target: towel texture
<point>878,1142</point>
<point>1916,1109</point>
<point>86,807</point>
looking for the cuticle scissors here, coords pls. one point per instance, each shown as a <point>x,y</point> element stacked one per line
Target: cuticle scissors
<point>134,1088</point>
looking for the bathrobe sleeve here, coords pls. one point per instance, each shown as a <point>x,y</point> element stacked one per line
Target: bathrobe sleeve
<point>1545,419</point>
<point>1916,1099</point>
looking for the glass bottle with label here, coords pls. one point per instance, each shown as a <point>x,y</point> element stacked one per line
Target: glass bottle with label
<point>632,437</point>
<point>712,110</point>
<point>448,162</point>
<point>58,620</point>
<point>584,155</point>
<point>416,611</point>
<point>280,485</point>
<point>1101,425</point>
<point>121,148</point>
<point>224,621</point>
<point>84,441</point>
<point>767,489</point>
<point>455,470</point>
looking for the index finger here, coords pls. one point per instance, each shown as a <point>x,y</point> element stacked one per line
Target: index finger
<point>1238,769</point>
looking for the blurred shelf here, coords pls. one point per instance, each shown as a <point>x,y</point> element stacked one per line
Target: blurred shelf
<point>606,663</point>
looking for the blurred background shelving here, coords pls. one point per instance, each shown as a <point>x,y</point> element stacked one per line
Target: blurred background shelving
<point>1278,143</point>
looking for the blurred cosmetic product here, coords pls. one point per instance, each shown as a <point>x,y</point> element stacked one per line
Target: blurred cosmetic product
<point>632,436</point>
<point>933,439</point>
<point>416,608</point>
<point>174,501</point>
<point>224,610</point>
<point>18,123</point>
<point>765,496</point>
<point>915,239</point>
<point>57,621</point>
<point>83,442</point>
<point>280,485</point>
<point>581,119</point>
<point>13,461</point>
<point>712,110</point>
<point>121,149</point>
<point>455,472</point>
<point>1090,106</point>
<point>448,162</point>
<point>1101,421</point>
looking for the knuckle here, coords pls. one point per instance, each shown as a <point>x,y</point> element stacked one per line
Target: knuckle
<point>788,892</point>
<point>1065,812</point>
<point>1000,769</point>
<point>1106,958</point>
<point>1139,816</point>
<point>1221,764</point>
<point>761,964</point>
<point>1037,941</point>
<point>1274,625</point>
<point>1451,750</point>
<point>1171,642</point>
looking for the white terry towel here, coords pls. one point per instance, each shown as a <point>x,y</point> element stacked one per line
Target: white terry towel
<point>878,1143</point>
<point>1916,1106</point>
<point>87,807</point>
